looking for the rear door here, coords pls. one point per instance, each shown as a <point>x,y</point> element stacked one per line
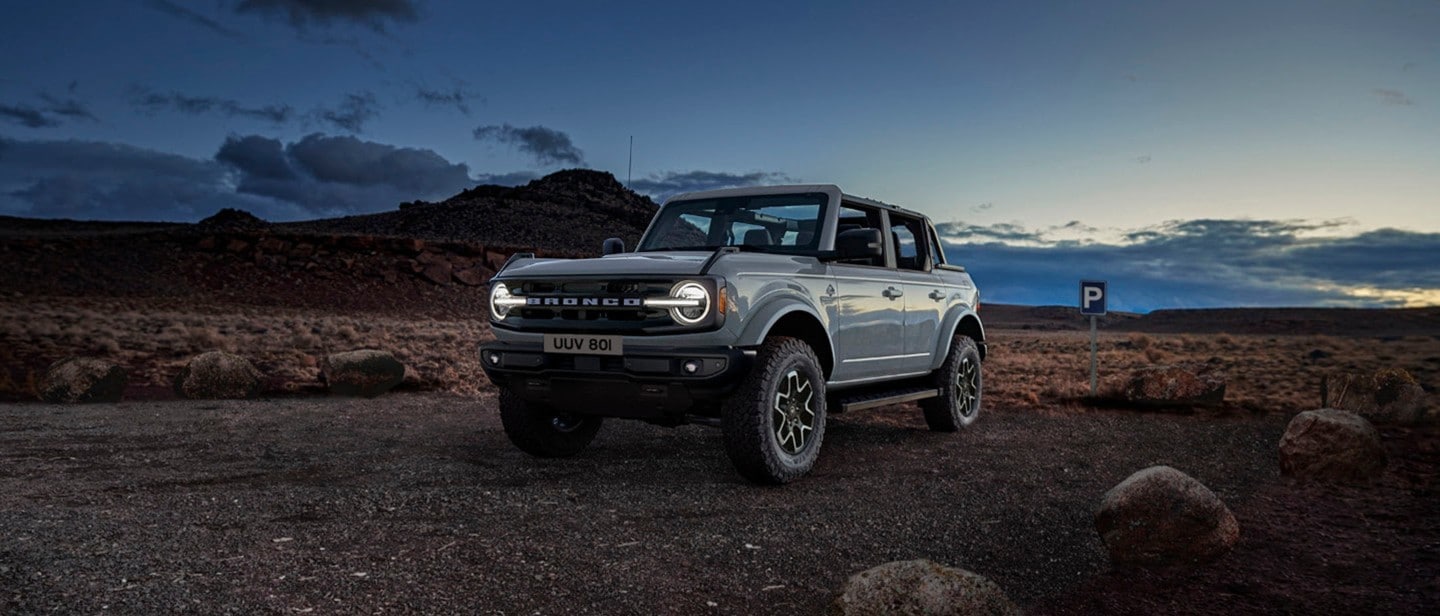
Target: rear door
<point>925,294</point>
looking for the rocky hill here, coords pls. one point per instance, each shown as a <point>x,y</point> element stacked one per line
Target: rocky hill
<point>571,211</point>
<point>420,258</point>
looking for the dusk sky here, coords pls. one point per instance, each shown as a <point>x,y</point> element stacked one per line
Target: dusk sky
<point>1193,153</point>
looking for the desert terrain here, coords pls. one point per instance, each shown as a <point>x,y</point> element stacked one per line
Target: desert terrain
<point>415,502</point>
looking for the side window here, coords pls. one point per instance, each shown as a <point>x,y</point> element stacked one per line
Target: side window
<point>937,254</point>
<point>907,236</point>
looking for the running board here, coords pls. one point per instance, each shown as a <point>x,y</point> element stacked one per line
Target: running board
<point>871,400</point>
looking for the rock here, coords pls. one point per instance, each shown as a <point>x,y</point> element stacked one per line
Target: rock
<point>207,243</point>
<point>1173,385</point>
<point>920,587</point>
<point>302,251</point>
<point>411,245</point>
<point>272,245</point>
<point>1388,394</point>
<point>472,277</point>
<point>232,219</point>
<point>217,374</point>
<point>1162,516</point>
<point>237,245</point>
<point>437,272</point>
<point>1331,445</point>
<point>366,373</point>
<point>82,379</point>
<point>496,260</point>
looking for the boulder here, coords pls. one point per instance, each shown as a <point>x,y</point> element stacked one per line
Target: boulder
<point>273,245</point>
<point>82,379</point>
<point>1331,445</point>
<point>1389,394</point>
<point>1161,516</point>
<point>471,277</point>
<point>437,272</point>
<point>920,587</point>
<point>1173,385</point>
<point>366,373</point>
<point>217,374</point>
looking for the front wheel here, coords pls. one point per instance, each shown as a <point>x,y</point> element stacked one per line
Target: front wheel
<point>960,385</point>
<point>775,421</point>
<point>542,431</point>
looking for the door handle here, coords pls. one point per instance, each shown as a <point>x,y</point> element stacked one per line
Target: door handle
<point>937,295</point>
<point>892,292</point>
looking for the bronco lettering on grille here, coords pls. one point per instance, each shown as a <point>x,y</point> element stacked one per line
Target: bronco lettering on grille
<point>580,302</point>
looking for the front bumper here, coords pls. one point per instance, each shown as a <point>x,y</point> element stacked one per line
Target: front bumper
<point>645,383</point>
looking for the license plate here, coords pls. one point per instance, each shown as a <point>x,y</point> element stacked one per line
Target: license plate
<point>584,345</point>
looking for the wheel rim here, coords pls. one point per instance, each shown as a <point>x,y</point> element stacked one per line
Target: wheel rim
<point>565,422</point>
<point>793,414</point>
<point>967,388</point>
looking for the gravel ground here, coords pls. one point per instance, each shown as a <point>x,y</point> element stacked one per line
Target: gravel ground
<point>418,504</point>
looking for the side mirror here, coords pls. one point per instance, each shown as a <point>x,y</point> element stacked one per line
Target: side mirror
<point>859,244</point>
<point>612,246</point>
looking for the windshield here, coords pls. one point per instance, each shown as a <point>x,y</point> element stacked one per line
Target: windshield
<point>774,223</point>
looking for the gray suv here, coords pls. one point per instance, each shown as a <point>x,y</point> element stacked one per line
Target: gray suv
<point>757,310</point>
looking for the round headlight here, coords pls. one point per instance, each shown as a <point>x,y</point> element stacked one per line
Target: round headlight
<point>690,315</point>
<point>499,304</point>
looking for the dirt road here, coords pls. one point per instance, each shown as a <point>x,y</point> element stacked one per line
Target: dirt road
<point>418,504</point>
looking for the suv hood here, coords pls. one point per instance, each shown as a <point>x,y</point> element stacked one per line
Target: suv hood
<point>659,264</point>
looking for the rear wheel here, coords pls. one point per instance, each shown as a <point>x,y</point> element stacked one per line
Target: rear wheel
<point>542,431</point>
<point>960,384</point>
<point>775,421</point>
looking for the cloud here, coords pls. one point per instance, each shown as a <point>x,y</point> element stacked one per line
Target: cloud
<point>68,107</point>
<point>201,105</point>
<point>108,181</point>
<point>351,114</point>
<point>330,176</point>
<point>1203,263</point>
<point>27,116</point>
<point>663,185</point>
<point>458,96</point>
<point>50,111</point>
<point>514,178</point>
<point>258,157</point>
<point>547,145</point>
<point>1392,97</point>
<point>301,14</point>
<point>1001,232</point>
<point>1143,159</point>
<point>180,12</point>
<point>317,176</point>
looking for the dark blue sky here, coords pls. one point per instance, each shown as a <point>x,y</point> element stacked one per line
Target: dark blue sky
<point>1059,140</point>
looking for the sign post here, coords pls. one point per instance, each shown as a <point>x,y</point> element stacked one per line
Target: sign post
<point>1092,304</point>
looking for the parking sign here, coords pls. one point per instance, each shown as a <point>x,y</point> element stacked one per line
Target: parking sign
<point>1092,298</point>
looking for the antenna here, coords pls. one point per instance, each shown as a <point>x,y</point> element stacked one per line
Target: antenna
<point>630,166</point>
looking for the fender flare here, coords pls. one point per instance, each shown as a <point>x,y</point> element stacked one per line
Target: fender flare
<point>762,320</point>
<point>950,325</point>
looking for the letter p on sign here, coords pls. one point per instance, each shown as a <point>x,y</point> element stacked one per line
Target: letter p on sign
<point>1092,297</point>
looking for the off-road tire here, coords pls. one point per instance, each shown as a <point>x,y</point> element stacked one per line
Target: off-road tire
<point>543,432</point>
<point>961,387</point>
<point>783,396</point>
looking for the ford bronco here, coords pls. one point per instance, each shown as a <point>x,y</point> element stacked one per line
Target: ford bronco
<point>757,310</point>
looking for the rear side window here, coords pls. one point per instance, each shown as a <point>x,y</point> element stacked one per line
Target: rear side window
<point>910,242</point>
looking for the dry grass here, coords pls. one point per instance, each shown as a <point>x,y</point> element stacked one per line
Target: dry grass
<point>1025,369</point>
<point>1264,373</point>
<point>153,340</point>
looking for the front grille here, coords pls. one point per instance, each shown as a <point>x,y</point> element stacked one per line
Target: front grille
<point>563,292</point>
